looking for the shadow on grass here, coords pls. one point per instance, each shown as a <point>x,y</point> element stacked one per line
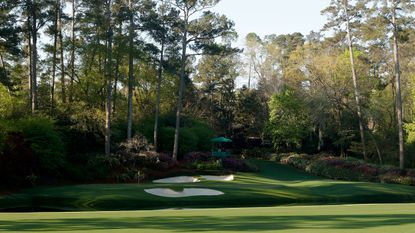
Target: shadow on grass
<point>214,224</point>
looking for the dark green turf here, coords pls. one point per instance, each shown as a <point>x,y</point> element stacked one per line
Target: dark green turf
<point>274,185</point>
<point>380,218</point>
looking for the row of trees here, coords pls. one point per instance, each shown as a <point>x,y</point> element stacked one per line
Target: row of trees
<point>106,66</point>
<point>343,85</point>
<point>94,56</point>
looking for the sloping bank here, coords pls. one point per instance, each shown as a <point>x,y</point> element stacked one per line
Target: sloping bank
<point>274,184</point>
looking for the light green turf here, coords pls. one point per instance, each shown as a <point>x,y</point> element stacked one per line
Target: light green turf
<point>385,218</point>
<point>274,185</point>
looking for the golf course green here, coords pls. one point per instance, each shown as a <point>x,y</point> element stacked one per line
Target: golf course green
<point>384,218</point>
<point>274,185</point>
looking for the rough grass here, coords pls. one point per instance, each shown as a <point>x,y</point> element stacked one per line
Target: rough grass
<point>274,185</point>
<point>309,219</point>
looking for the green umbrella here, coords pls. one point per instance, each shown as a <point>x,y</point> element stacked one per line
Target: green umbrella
<point>220,139</point>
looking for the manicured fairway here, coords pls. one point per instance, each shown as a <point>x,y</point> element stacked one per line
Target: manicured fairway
<point>395,218</point>
<point>274,185</point>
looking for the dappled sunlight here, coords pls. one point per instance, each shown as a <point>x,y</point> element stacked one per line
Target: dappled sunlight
<point>222,223</point>
<point>274,184</point>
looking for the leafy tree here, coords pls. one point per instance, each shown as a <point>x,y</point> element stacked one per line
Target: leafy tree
<point>198,34</point>
<point>216,77</point>
<point>341,12</point>
<point>160,21</point>
<point>288,123</point>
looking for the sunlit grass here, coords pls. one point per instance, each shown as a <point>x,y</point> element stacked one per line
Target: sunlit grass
<point>274,185</point>
<point>308,219</point>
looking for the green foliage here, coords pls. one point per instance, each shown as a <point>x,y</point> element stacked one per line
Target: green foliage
<point>349,169</point>
<point>257,152</point>
<point>288,122</point>
<point>207,165</point>
<point>45,139</point>
<point>18,165</point>
<point>410,144</point>
<point>195,135</point>
<point>250,115</point>
<point>9,105</point>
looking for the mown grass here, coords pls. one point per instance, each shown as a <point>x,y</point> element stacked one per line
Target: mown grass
<point>376,218</point>
<point>275,184</point>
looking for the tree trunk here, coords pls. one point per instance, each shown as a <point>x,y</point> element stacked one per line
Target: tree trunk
<point>114,95</point>
<point>117,72</point>
<point>355,85</point>
<point>249,75</point>
<point>61,48</point>
<point>159,78</point>
<point>33,55</point>
<point>398,87</point>
<point>71,89</point>
<point>181,89</point>
<point>29,57</point>
<point>109,83</point>
<point>130,71</point>
<point>55,49</point>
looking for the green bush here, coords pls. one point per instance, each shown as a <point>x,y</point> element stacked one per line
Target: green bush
<point>44,139</point>
<point>188,141</point>
<point>204,133</point>
<point>207,165</point>
<point>257,152</point>
<point>289,125</point>
<point>99,167</point>
<point>166,139</point>
<point>195,135</point>
<point>300,161</point>
<point>17,162</point>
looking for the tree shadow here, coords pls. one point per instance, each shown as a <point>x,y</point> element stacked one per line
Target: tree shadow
<point>213,224</point>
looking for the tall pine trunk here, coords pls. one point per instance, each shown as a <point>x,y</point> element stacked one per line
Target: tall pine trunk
<point>55,49</point>
<point>61,48</point>
<point>181,88</point>
<point>159,79</point>
<point>355,85</point>
<point>117,72</point>
<point>398,86</point>
<point>71,88</point>
<point>109,82</point>
<point>130,70</point>
<point>29,57</point>
<point>33,55</point>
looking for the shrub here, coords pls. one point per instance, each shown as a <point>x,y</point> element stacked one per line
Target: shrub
<point>394,179</point>
<point>135,145</point>
<point>188,141</point>
<point>166,139</point>
<point>296,160</point>
<point>44,139</point>
<point>17,161</point>
<point>195,135</point>
<point>257,152</point>
<point>238,165</point>
<point>346,168</point>
<point>343,169</point>
<point>100,166</point>
<point>207,165</point>
<point>197,157</point>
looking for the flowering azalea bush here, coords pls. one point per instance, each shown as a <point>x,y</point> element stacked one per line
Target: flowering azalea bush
<point>350,169</point>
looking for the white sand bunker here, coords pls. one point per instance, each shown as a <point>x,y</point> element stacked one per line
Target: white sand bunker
<point>190,179</point>
<point>218,178</point>
<point>177,179</point>
<point>187,192</point>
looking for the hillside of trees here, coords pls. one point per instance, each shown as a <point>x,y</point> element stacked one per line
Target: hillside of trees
<point>80,79</point>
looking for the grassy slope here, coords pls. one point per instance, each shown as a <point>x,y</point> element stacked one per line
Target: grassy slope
<point>274,185</point>
<point>311,219</point>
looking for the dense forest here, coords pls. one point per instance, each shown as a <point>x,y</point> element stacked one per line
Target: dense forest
<point>81,79</point>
